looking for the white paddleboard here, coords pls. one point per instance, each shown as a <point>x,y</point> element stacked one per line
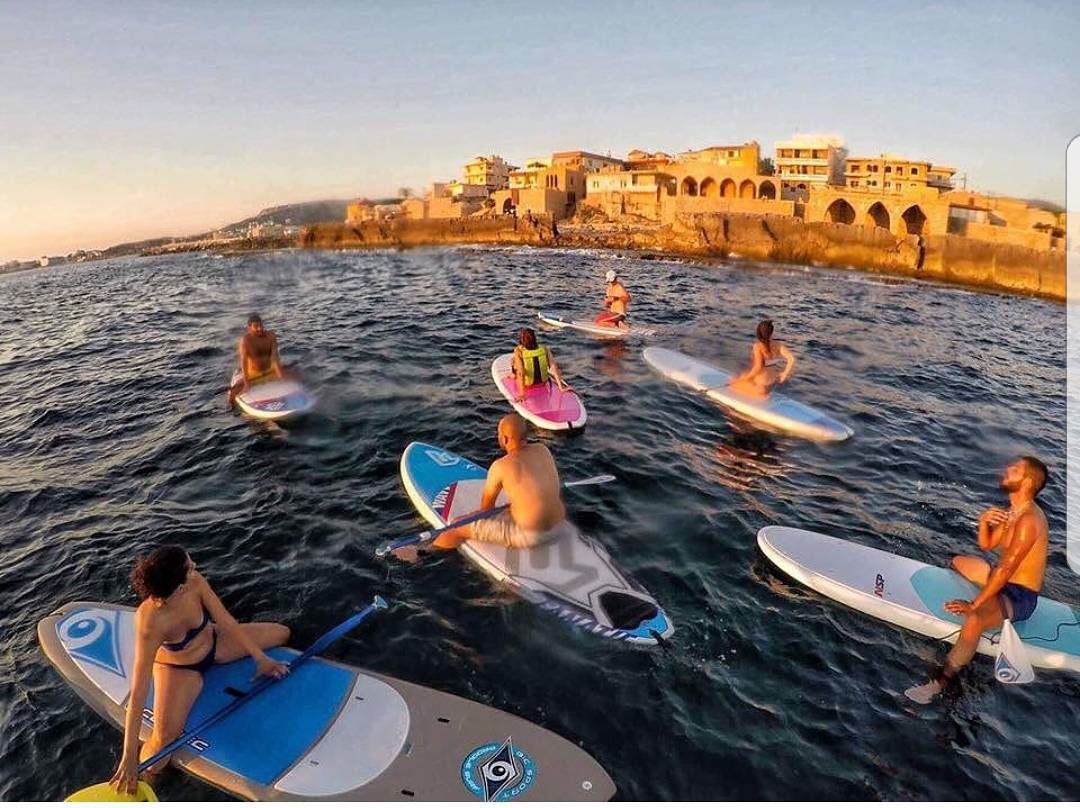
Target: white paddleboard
<point>589,327</point>
<point>328,730</point>
<point>545,405</point>
<point>573,577</point>
<point>777,411</point>
<point>276,400</point>
<point>911,594</point>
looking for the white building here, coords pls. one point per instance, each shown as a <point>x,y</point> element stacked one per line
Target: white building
<point>808,160</point>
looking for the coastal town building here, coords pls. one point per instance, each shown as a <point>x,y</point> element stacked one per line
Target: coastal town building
<point>551,186</point>
<point>745,156</point>
<point>586,161</point>
<point>890,174</point>
<point>492,172</point>
<point>629,192</point>
<point>640,160</point>
<point>807,160</point>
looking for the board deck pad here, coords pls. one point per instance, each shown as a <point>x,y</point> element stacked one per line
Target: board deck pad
<point>778,411</point>
<point>545,405</point>
<point>912,594</point>
<point>590,327</point>
<point>573,577</point>
<point>275,400</point>
<point>329,730</point>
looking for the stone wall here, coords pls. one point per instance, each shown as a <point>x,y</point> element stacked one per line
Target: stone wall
<point>947,258</point>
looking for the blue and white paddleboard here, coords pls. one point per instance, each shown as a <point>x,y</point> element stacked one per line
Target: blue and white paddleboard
<point>777,411</point>
<point>328,730</point>
<point>276,400</point>
<point>573,577</point>
<point>911,594</point>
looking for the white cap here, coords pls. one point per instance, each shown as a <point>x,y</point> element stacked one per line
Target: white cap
<point>611,276</point>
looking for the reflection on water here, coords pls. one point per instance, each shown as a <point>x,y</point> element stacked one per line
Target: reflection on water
<point>114,435</point>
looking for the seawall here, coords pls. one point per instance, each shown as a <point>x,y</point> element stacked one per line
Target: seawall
<point>949,259</point>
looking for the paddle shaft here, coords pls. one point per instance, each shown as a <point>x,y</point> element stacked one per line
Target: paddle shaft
<point>432,534</point>
<point>316,647</point>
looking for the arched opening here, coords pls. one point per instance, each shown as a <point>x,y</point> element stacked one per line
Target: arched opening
<point>747,189</point>
<point>689,187</point>
<point>877,216</point>
<point>728,189</point>
<point>914,220</point>
<point>840,212</point>
<point>767,190</point>
<point>508,206</point>
<point>709,187</point>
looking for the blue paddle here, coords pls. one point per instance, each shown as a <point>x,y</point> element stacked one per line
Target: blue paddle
<point>320,645</point>
<point>431,534</point>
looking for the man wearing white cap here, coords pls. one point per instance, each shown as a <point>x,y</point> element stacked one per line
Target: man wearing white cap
<point>616,301</point>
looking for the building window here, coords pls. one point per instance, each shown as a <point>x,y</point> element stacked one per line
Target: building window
<point>900,170</point>
<point>914,171</point>
<point>854,183</point>
<point>888,185</point>
<point>888,169</point>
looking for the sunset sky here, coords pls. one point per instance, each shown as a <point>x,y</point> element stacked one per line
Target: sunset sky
<point>125,121</point>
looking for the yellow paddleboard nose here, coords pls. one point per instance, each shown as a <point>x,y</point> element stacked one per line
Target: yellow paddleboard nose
<point>104,792</point>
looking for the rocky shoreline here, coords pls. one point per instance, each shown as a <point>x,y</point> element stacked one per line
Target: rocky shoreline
<point>774,239</point>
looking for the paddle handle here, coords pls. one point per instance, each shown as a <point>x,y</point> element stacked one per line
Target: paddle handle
<point>316,647</point>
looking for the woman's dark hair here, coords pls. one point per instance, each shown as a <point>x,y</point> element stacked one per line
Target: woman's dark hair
<point>159,574</point>
<point>764,333</point>
<point>527,338</point>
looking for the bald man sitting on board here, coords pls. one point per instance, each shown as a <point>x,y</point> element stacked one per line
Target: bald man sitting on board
<point>528,476</point>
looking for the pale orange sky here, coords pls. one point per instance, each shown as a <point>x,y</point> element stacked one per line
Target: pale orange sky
<point>119,123</point>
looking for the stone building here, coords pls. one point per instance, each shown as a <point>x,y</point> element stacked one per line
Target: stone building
<point>629,192</point>
<point>551,186</point>
<point>890,174</point>
<point>491,172</point>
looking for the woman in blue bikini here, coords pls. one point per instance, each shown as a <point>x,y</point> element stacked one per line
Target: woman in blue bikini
<point>181,629</point>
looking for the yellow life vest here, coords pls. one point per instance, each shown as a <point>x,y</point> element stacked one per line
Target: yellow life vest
<point>535,363</point>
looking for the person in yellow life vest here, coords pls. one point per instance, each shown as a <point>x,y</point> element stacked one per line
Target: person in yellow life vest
<point>534,364</point>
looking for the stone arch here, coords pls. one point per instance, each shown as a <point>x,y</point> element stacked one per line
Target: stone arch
<point>508,205</point>
<point>914,220</point>
<point>689,187</point>
<point>747,189</point>
<point>709,187</point>
<point>728,189</point>
<point>877,216</point>
<point>767,190</point>
<point>840,212</point>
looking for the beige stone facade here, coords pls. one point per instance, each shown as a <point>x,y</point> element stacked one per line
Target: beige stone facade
<point>619,193</point>
<point>492,172</point>
<point>889,174</point>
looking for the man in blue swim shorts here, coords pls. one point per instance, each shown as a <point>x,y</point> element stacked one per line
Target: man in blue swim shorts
<point>1009,590</point>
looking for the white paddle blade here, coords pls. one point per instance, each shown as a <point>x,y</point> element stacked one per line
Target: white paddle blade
<point>1012,666</point>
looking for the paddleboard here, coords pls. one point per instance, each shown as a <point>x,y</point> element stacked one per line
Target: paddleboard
<point>911,594</point>
<point>545,405</point>
<point>574,577</point>
<point>276,400</point>
<point>328,730</point>
<point>589,327</point>
<point>777,411</point>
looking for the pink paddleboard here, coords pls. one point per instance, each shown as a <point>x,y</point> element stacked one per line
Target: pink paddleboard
<point>545,405</point>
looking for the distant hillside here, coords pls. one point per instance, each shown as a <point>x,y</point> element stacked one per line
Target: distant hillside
<point>299,213</point>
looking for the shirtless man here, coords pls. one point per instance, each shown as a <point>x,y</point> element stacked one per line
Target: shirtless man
<point>1008,590</point>
<point>259,361</point>
<point>528,476</point>
<point>616,301</point>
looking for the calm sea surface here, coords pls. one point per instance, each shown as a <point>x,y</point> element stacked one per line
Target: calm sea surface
<point>114,436</point>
